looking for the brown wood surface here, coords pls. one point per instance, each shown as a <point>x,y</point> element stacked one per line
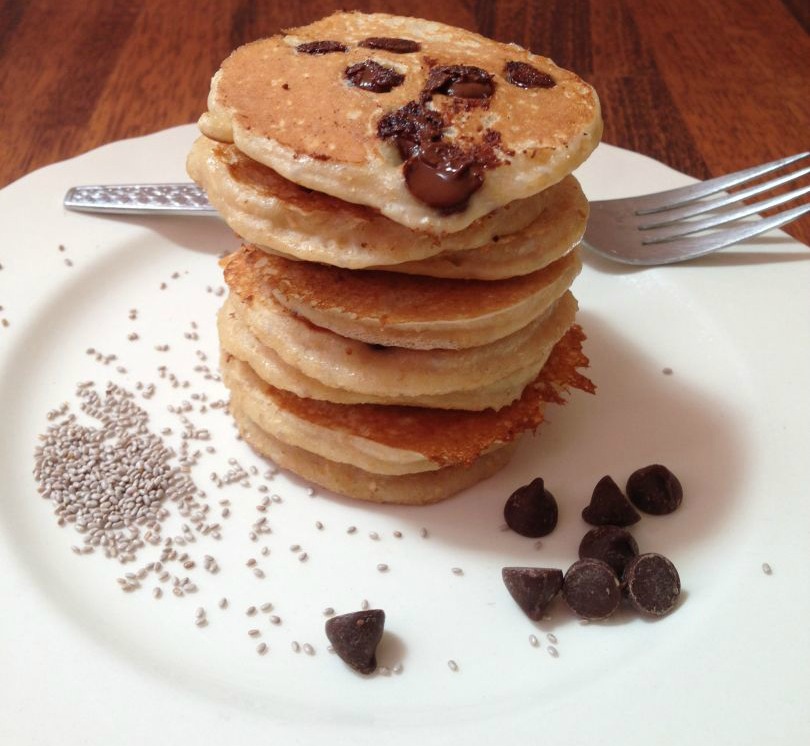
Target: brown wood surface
<point>707,87</point>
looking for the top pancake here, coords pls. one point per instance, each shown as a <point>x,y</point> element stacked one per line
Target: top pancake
<point>298,113</point>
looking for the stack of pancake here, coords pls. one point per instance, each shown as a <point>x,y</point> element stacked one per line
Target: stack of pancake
<point>400,310</point>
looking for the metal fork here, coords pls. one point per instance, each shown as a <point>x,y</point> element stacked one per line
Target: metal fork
<point>657,228</point>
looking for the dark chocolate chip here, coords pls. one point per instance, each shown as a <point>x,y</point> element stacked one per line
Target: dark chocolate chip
<point>443,176</point>
<point>371,76</point>
<point>411,126</point>
<point>610,544</point>
<point>654,489</point>
<point>531,510</point>
<point>524,75</point>
<point>591,589</point>
<point>391,44</point>
<point>461,81</point>
<point>321,47</point>
<point>609,506</point>
<point>355,637</point>
<point>652,584</point>
<point>533,588</point>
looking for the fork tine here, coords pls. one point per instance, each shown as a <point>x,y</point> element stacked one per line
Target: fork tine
<point>680,249</point>
<point>667,217</point>
<point>675,197</point>
<point>685,228</point>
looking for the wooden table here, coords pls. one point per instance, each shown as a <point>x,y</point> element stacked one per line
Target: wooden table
<point>706,87</point>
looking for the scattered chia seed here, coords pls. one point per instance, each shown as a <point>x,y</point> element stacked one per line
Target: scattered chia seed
<point>457,571</point>
<point>157,592</point>
<point>250,611</point>
<point>533,641</point>
<point>397,669</point>
<point>328,611</point>
<point>308,649</point>
<point>364,605</point>
<point>254,632</point>
<point>423,532</point>
<point>552,651</point>
<point>296,648</point>
<point>261,648</point>
<point>767,569</point>
<point>258,572</point>
<point>383,670</point>
<point>319,525</point>
<point>275,619</point>
<point>552,638</point>
<point>351,529</point>
<point>373,535</point>
<point>397,534</point>
<point>452,665</point>
<point>266,607</point>
<point>382,567</point>
<point>303,557</point>
<point>223,603</point>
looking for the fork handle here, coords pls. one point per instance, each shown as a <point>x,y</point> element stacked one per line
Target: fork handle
<point>139,199</point>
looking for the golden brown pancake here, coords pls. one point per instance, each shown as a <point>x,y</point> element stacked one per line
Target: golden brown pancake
<point>236,338</point>
<point>407,489</point>
<point>385,371</point>
<point>401,440</point>
<point>410,311</point>
<point>326,111</point>
<point>282,217</point>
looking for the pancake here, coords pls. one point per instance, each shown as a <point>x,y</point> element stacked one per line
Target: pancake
<point>408,489</point>
<point>282,217</point>
<point>408,311</point>
<point>402,440</point>
<point>385,371</point>
<point>433,138</point>
<point>235,338</point>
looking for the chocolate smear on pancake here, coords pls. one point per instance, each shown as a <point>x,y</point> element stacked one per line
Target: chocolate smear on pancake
<point>459,81</point>
<point>410,127</point>
<point>523,75</point>
<point>371,76</point>
<point>443,176</point>
<point>321,47</point>
<point>391,44</point>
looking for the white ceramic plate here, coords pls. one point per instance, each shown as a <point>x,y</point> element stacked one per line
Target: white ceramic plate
<point>83,662</point>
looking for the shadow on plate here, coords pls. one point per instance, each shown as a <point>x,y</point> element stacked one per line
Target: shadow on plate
<point>638,416</point>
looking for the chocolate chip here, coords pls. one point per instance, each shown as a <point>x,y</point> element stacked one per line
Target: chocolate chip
<point>533,588</point>
<point>355,637</point>
<point>652,584</point>
<point>391,44</point>
<point>371,76</point>
<point>591,589</point>
<point>443,176</point>
<point>654,489</point>
<point>609,506</point>
<point>524,75</point>
<point>461,81</point>
<point>610,544</point>
<point>411,126</point>
<point>321,47</point>
<point>531,510</point>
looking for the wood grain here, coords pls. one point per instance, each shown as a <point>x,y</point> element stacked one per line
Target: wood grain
<point>706,87</point>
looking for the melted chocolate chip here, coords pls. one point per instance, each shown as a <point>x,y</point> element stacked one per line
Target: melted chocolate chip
<point>391,44</point>
<point>410,127</point>
<point>652,584</point>
<point>591,589</point>
<point>533,588</point>
<point>654,489</point>
<point>610,544</point>
<point>460,81</point>
<point>443,176</point>
<point>355,638</point>
<point>524,75</point>
<point>321,47</point>
<point>609,506</point>
<point>531,510</point>
<point>371,76</point>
